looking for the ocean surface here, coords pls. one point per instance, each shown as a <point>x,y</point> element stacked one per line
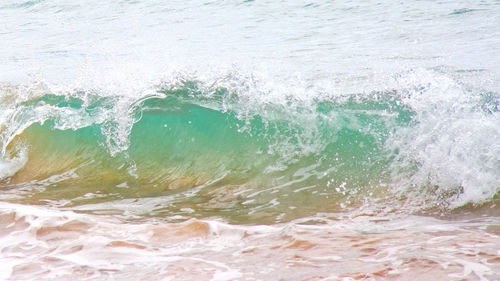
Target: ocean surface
<point>249,140</point>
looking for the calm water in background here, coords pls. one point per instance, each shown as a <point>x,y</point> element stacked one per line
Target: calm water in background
<point>249,140</point>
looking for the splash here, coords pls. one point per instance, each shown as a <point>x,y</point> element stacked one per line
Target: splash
<point>238,150</point>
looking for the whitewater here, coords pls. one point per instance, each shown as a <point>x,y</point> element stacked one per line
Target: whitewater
<point>249,140</point>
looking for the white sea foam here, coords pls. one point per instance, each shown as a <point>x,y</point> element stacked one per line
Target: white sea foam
<point>454,144</point>
<point>41,244</point>
<point>435,61</point>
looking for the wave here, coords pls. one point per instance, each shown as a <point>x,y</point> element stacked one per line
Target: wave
<point>231,149</point>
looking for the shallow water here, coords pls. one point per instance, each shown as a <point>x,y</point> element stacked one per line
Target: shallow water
<point>249,140</point>
<point>43,244</point>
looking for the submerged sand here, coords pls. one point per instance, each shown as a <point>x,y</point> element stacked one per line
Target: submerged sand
<point>38,243</point>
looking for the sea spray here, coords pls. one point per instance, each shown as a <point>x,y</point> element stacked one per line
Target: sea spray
<point>238,140</point>
<point>429,133</point>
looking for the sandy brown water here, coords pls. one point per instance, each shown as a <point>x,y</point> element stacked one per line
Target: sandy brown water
<point>249,140</point>
<point>39,243</point>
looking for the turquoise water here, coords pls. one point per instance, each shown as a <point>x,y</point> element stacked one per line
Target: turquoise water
<point>250,116</point>
<point>244,159</point>
<point>184,138</point>
<point>333,102</point>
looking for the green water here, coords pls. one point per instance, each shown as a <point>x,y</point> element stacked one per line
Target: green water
<point>262,161</point>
